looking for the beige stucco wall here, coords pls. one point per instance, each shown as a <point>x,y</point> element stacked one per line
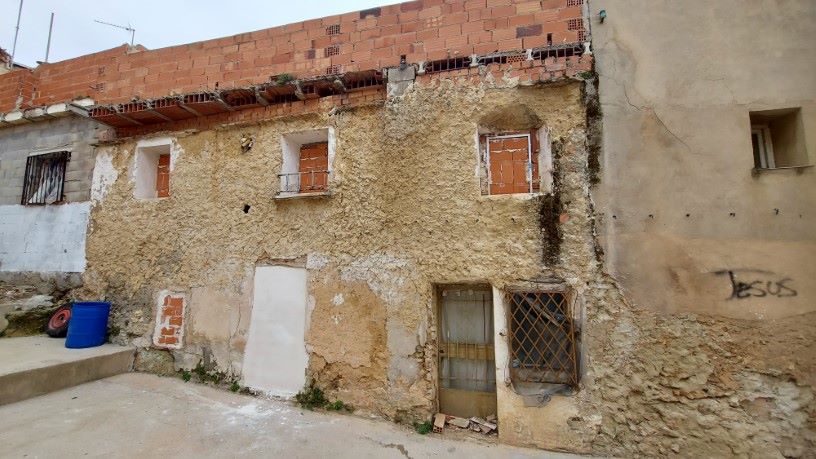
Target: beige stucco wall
<point>685,369</point>
<point>406,214</point>
<point>678,203</point>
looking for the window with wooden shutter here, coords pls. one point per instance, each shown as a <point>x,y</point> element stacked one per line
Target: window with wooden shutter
<point>163,176</point>
<point>314,167</point>
<point>512,162</point>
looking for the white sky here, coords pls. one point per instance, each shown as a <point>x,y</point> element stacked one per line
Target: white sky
<point>158,23</point>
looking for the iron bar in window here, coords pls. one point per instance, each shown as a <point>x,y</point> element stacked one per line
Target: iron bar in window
<point>44,180</point>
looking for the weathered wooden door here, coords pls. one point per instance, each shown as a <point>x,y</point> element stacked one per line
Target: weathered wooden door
<point>467,368</point>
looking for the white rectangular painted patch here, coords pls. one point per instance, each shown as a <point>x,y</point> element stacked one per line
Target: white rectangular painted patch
<point>43,238</point>
<point>275,359</point>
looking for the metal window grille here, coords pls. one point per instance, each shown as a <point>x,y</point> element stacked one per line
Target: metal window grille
<point>333,29</point>
<point>45,178</point>
<point>543,338</point>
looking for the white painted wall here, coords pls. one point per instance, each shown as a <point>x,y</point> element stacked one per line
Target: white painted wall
<point>43,238</point>
<point>275,359</point>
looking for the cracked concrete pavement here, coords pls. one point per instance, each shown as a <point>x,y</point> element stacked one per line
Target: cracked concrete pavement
<point>142,415</point>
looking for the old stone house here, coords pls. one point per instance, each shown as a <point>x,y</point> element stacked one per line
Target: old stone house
<point>440,206</point>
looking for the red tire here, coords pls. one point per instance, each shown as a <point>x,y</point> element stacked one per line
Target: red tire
<point>58,323</point>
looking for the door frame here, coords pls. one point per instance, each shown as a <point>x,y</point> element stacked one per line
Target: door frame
<point>438,304</point>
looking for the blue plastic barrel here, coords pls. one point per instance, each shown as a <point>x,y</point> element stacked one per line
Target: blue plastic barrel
<point>89,324</point>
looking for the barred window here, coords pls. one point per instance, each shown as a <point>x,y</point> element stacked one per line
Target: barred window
<point>44,180</point>
<point>543,338</point>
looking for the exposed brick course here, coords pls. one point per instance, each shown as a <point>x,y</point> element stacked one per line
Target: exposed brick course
<point>169,321</point>
<point>370,39</point>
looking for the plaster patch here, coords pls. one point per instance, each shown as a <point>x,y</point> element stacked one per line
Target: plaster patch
<point>382,273</point>
<point>338,300</point>
<point>316,261</point>
<point>104,175</point>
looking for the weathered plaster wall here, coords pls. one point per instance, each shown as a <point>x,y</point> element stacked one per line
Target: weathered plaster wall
<point>679,204</point>
<point>406,214</point>
<point>679,366</point>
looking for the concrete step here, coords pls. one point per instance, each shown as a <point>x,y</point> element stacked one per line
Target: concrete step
<point>37,365</point>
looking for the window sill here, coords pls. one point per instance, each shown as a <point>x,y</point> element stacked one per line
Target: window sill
<point>287,196</point>
<point>514,196</point>
<point>799,169</point>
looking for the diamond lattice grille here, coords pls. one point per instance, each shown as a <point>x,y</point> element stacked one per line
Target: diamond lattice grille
<point>542,338</point>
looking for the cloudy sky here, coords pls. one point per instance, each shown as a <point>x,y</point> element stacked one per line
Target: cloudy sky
<point>158,23</point>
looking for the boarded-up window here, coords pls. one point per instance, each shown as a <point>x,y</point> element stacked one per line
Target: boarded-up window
<point>163,176</point>
<point>314,167</point>
<point>543,338</point>
<point>44,180</point>
<point>512,162</point>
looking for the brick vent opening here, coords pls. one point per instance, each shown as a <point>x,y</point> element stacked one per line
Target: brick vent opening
<point>575,2</point>
<point>331,51</point>
<point>575,24</point>
<point>333,29</point>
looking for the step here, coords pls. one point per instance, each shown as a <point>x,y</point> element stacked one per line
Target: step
<point>36,365</point>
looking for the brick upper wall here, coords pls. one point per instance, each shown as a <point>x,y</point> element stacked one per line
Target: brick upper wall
<point>422,30</point>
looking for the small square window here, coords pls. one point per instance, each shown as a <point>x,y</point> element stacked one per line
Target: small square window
<point>543,338</point>
<point>153,168</point>
<point>510,162</point>
<point>778,139</point>
<point>306,163</point>
<point>44,180</point>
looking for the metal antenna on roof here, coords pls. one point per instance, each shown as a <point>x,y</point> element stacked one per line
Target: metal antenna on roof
<point>48,46</point>
<point>16,32</point>
<point>128,28</point>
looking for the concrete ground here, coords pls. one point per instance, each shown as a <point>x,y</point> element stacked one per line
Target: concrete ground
<point>36,365</point>
<point>142,415</point>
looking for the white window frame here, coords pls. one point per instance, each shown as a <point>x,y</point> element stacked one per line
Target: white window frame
<point>765,144</point>
<point>291,143</point>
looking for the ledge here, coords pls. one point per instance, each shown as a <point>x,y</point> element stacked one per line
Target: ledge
<point>288,196</point>
<point>799,169</point>
<point>514,196</point>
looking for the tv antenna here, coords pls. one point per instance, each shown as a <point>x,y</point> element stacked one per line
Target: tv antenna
<point>128,28</point>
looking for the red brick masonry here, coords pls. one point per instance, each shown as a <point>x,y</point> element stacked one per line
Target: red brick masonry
<point>422,30</point>
<point>170,322</point>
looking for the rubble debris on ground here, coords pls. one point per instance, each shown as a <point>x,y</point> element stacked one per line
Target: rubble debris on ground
<point>24,311</point>
<point>484,426</point>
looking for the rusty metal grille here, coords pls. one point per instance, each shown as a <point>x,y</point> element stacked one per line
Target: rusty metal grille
<point>44,181</point>
<point>543,338</point>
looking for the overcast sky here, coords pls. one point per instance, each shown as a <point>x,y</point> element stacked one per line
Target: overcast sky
<point>158,23</point>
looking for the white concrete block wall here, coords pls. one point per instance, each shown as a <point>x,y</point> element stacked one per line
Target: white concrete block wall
<point>43,238</point>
